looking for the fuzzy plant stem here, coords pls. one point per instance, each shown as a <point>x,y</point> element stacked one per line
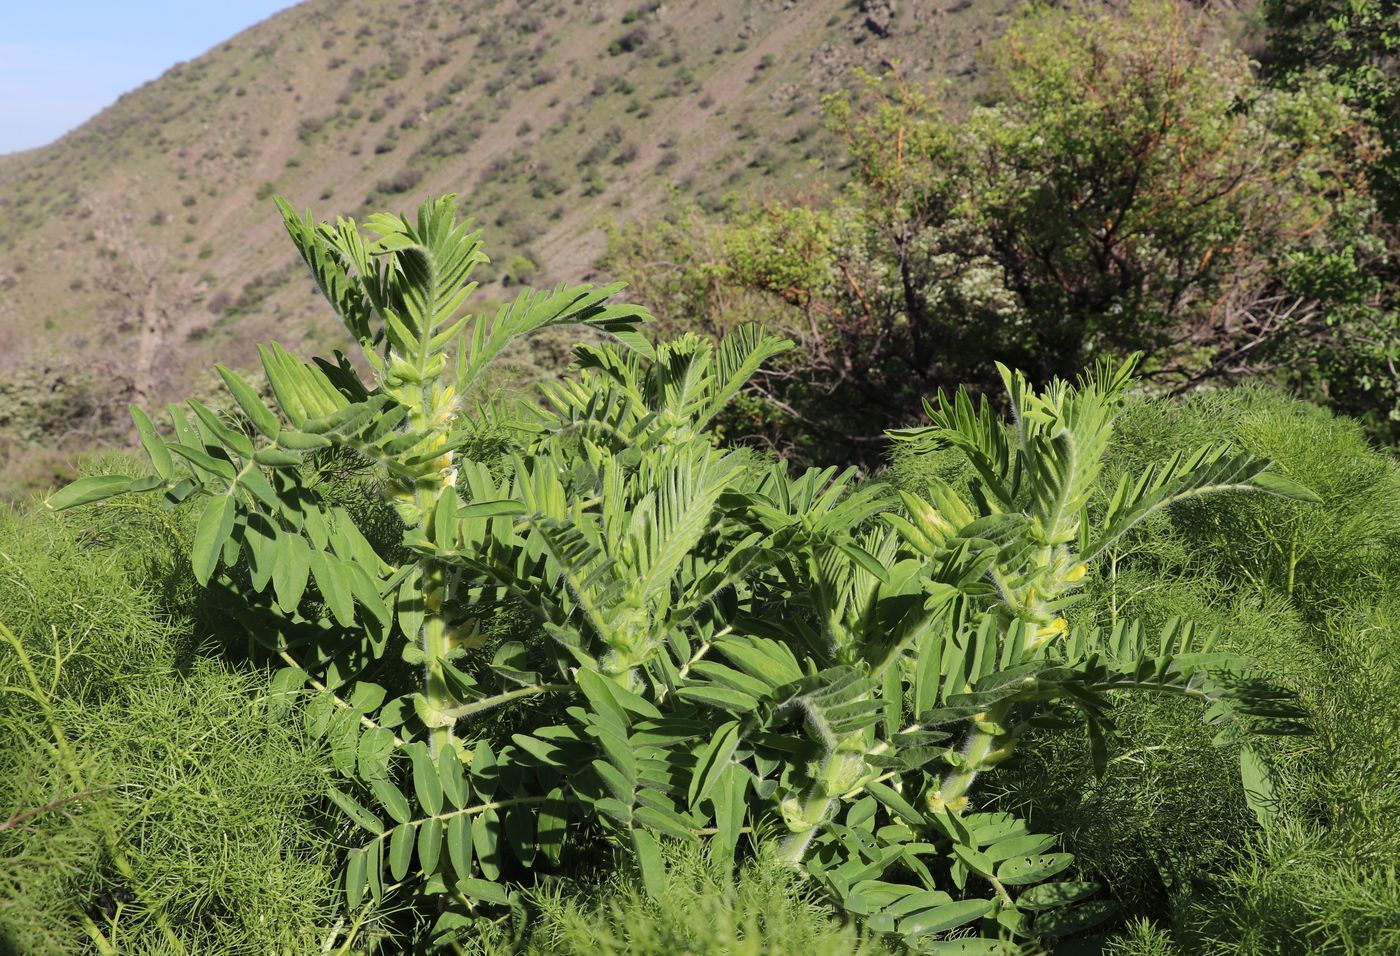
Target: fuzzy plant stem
<point>436,643</point>
<point>987,745</point>
<point>435,577</point>
<point>793,847</point>
<point>836,774</point>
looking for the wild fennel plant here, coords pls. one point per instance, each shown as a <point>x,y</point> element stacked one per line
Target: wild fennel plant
<point>731,648</point>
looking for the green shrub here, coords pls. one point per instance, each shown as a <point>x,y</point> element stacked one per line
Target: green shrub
<point>1307,591</point>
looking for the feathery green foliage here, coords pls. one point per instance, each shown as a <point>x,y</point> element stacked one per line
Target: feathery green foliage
<point>704,907</point>
<point>156,801</point>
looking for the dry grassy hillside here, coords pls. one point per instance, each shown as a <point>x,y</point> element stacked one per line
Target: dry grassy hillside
<point>145,242</point>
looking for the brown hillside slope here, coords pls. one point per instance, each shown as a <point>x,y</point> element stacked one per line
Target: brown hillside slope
<point>144,243</point>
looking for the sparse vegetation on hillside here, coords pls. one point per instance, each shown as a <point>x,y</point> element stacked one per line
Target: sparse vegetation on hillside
<point>374,102</point>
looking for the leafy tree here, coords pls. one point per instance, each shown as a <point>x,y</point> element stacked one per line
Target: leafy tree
<point>720,646</point>
<point>1131,187</point>
<point>1356,44</point>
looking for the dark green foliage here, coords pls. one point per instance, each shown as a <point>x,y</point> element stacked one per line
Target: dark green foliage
<point>1355,44</point>
<point>1130,184</point>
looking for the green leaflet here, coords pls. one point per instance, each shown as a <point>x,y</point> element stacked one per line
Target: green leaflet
<point>429,847</point>
<point>712,761</point>
<point>427,786</point>
<point>945,917</point>
<point>151,441</point>
<point>258,413</point>
<point>649,861</point>
<point>1019,870</point>
<point>87,490</point>
<point>356,811</point>
<point>1261,787</point>
<point>333,579</point>
<point>401,845</point>
<point>215,526</point>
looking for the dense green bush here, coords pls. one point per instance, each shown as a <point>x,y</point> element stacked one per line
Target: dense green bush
<point>158,798</point>
<point>718,646</point>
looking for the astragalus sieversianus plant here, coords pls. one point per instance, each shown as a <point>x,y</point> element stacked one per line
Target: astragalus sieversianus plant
<point>721,647</point>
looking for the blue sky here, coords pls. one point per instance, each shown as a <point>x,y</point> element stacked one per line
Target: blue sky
<point>61,61</point>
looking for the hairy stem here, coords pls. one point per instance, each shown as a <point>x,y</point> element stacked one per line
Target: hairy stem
<point>985,747</point>
<point>436,646</point>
